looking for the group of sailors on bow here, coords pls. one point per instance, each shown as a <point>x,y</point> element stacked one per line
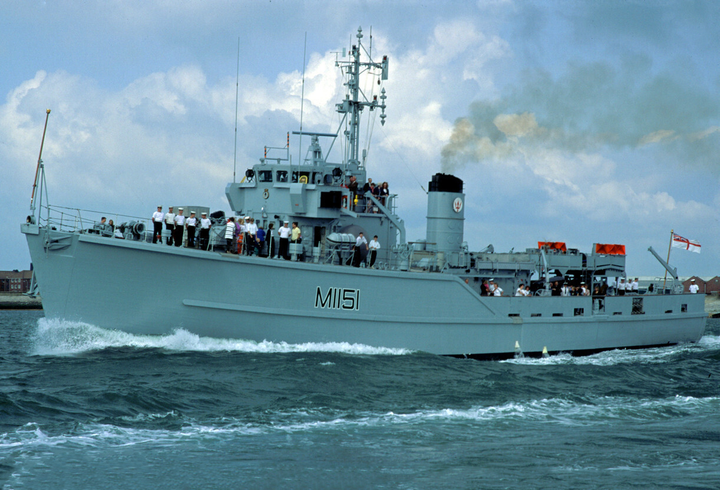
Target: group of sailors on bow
<point>179,225</point>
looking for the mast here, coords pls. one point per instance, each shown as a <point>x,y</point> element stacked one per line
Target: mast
<point>672,232</point>
<point>237,88</point>
<point>355,100</point>
<point>39,163</point>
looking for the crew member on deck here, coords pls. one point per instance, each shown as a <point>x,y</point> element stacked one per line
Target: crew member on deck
<point>205,225</point>
<point>360,243</point>
<point>366,187</point>
<point>157,219</point>
<point>260,240</point>
<point>374,247</point>
<point>353,188</point>
<point>179,227</point>
<point>170,225</point>
<point>190,225</point>
<point>384,193</point>
<point>230,235</point>
<point>251,230</point>
<point>270,239</point>
<point>295,233</point>
<point>284,233</point>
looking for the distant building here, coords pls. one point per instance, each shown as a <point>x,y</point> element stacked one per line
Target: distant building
<point>707,285</point>
<point>698,280</point>
<point>712,285</point>
<point>15,281</point>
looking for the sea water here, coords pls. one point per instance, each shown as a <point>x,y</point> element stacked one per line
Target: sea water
<point>82,407</point>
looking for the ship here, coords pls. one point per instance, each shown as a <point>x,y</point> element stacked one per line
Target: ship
<point>433,295</point>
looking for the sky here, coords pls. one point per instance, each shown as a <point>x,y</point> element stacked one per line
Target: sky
<point>582,122</point>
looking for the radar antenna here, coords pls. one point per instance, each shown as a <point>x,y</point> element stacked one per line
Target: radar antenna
<point>353,104</point>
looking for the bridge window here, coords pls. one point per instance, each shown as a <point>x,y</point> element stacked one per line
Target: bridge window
<point>282,175</point>
<point>265,176</point>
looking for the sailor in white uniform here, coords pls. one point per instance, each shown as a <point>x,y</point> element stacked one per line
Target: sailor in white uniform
<point>284,233</point>
<point>230,244</point>
<point>170,225</point>
<point>251,233</point>
<point>157,219</point>
<point>190,225</point>
<point>374,247</point>
<point>205,225</point>
<point>179,227</point>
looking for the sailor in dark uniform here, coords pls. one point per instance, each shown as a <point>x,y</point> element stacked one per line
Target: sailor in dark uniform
<point>360,249</point>
<point>270,239</point>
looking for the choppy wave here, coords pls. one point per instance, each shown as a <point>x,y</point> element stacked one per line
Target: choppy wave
<point>59,337</point>
<point>588,412</point>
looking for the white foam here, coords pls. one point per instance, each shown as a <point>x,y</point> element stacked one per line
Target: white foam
<point>59,337</point>
<point>653,355</point>
<point>594,411</point>
<point>710,341</point>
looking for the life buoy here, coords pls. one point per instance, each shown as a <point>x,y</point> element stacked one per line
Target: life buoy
<point>303,179</point>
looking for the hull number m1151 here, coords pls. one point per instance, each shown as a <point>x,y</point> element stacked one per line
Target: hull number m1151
<point>338,299</point>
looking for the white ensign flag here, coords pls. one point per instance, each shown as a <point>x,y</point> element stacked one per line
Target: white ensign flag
<point>685,244</point>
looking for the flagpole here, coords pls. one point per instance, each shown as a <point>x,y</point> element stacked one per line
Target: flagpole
<point>672,232</point>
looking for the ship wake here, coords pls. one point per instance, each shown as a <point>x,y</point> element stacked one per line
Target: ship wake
<point>58,337</point>
<point>657,355</point>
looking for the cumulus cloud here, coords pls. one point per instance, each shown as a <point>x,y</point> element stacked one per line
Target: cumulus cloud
<point>547,142</point>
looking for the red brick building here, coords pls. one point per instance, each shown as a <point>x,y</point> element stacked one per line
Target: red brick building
<point>707,285</point>
<point>15,281</point>
<point>712,285</point>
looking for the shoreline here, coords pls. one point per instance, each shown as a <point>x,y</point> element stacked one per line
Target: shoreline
<point>19,301</point>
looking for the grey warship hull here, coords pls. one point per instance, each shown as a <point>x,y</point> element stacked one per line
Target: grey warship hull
<point>229,296</point>
<point>431,295</point>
